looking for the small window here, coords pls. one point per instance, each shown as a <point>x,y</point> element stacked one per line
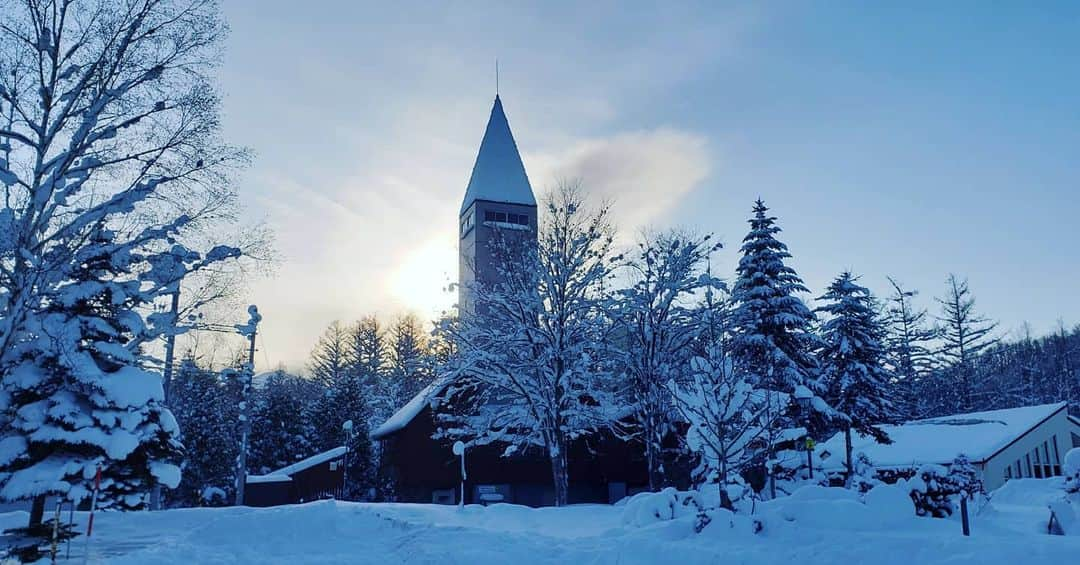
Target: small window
<point>489,216</point>
<point>524,219</point>
<point>500,217</point>
<point>333,465</point>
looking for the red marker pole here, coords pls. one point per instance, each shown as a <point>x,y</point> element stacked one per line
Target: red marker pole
<point>93,506</point>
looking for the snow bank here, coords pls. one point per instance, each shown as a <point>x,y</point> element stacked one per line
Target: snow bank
<point>648,508</point>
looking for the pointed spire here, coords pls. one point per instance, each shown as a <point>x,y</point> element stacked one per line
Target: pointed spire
<point>498,174</point>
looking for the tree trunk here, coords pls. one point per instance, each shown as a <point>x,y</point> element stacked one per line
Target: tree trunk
<point>559,473</point>
<point>37,511</point>
<point>725,498</point>
<point>651,457</point>
<point>847,451</point>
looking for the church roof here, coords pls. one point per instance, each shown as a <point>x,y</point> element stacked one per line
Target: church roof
<point>498,175</point>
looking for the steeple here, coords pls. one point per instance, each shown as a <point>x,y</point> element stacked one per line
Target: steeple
<point>498,174</point>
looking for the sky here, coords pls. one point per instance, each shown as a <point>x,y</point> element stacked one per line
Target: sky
<point>910,140</point>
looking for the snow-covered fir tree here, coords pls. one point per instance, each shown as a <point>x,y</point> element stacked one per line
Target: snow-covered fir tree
<point>657,317</point>
<point>78,398</point>
<point>206,409</point>
<point>526,373</point>
<point>909,350</point>
<point>772,339</point>
<point>281,433</point>
<point>109,163</point>
<point>853,362</point>
<point>965,335</point>
<point>772,336</point>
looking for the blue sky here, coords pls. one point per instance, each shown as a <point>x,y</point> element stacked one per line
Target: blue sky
<point>908,139</point>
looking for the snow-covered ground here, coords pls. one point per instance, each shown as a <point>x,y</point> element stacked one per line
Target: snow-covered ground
<point>813,526</point>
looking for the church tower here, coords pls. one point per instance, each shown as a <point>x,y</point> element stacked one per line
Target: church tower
<point>498,197</point>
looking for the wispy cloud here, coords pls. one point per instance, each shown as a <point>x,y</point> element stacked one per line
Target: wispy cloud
<point>645,174</point>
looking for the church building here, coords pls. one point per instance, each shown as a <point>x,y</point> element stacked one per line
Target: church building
<point>499,202</point>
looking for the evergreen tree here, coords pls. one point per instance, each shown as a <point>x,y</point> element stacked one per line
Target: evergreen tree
<point>80,400</point>
<point>852,359</point>
<point>773,338</point>
<point>280,431</point>
<point>207,412</point>
<point>344,397</point>
<point>908,350</point>
<point>966,335</point>
<point>411,368</point>
<point>772,331</point>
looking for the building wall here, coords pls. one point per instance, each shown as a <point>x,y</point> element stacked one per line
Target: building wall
<point>601,467</point>
<point>475,261</point>
<point>1022,451</point>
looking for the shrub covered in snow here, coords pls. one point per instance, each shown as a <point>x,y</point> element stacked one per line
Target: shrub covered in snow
<point>931,490</point>
<point>936,491</point>
<point>652,507</point>
<point>966,478</point>
<point>1072,473</point>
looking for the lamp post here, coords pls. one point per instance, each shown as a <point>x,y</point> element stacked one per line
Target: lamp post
<point>459,449</point>
<point>347,427</point>
<point>804,397</point>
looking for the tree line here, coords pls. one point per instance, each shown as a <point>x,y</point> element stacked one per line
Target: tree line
<point>575,338</point>
<point>359,372</point>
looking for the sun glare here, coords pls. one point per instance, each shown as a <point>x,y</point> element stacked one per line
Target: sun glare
<point>422,281</point>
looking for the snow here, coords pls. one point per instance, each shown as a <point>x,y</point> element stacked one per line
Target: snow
<point>817,525</point>
<point>410,410</point>
<point>1072,462</point>
<point>311,461</point>
<point>939,440</point>
<point>271,478</point>
<point>498,174</point>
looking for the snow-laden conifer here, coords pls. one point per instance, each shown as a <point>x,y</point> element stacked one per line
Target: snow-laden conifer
<point>852,361</point>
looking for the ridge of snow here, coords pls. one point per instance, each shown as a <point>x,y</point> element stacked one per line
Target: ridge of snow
<point>406,413</point>
<point>271,478</point>
<point>310,462</point>
<point>498,174</point>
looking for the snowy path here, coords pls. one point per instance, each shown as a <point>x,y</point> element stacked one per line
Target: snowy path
<point>328,532</point>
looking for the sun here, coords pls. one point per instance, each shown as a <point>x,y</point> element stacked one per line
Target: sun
<point>422,281</point>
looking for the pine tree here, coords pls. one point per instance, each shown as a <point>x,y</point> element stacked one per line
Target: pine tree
<point>966,335</point>
<point>80,400</point>
<point>411,368</point>
<point>772,329</point>
<point>908,350</point>
<point>206,410</point>
<point>344,398</point>
<point>280,431</point>
<point>852,358</point>
<point>773,339</point>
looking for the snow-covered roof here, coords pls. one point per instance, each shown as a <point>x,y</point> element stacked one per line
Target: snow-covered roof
<point>979,435</point>
<point>311,461</point>
<point>271,478</point>
<point>406,413</point>
<point>498,174</point>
